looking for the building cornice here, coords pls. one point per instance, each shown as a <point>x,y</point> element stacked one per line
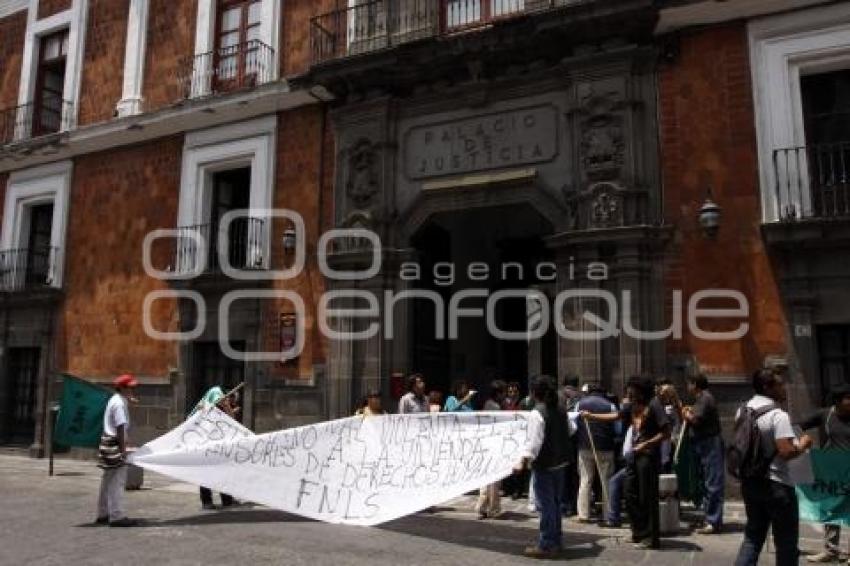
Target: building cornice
<point>184,116</point>
<point>9,7</point>
<point>682,15</point>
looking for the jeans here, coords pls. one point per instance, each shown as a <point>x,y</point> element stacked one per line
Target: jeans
<point>615,497</point>
<point>642,497</point>
<point>207,498</point>
<point>769,503</point>
<point>549,493</point>
<point>710,453</point>
<point>587,474</point>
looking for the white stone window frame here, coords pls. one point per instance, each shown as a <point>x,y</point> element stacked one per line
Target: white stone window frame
<point>205,39</point>
<point>243,144</point>
<point>31,187</point>
<point>74,20</point>
<point>782,49</point>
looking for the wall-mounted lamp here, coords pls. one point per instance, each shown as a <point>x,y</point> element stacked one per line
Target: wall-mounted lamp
<point>709,217</point>
<point>289,240</point>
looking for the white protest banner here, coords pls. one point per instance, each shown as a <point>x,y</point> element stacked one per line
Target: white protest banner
<point>356,471</point>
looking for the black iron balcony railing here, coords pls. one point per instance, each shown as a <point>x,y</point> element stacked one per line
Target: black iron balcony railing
<point>381,24</point>
<point>197,247</point>
<point>812,181</point>
<point>28,269</point>
<point>244,65</point>
<point>33,120</point>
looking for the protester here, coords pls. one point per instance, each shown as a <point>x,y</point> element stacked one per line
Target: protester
<point>651,428</point>
<point>512,397</point>
<point>435,401</point>
<point>489,497</point>
<point>515,486</point>
<point>569,396</point>
<point>602,435</point>
<point>215,397</point>
<point>414,401</point>
<point>461,401</point>
<point>614,515</point>
<point>669,399</point>
<point>769,497</point>
<point>703,422</point>
<point>112,455</point>
<point>834,423</point>
<point>373,405</point>
<point>549,453</point>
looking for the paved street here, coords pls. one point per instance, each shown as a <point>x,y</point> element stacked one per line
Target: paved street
<point>46,521</point>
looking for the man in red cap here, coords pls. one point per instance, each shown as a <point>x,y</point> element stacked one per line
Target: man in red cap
<point>112,454</point>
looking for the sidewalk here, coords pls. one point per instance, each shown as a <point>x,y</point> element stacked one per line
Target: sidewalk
<point>47,521</point>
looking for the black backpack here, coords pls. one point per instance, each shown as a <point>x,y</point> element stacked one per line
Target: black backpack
<point>748,457</point>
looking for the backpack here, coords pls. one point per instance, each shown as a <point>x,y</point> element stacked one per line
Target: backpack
<point>748,456</point>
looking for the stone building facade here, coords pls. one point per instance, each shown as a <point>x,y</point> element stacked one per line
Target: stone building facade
<point>522,160</point>
<point>122,118</point>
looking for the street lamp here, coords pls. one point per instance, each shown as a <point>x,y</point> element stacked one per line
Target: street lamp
<point>709,217</point>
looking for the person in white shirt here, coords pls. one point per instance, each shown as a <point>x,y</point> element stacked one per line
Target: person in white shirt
<point>112,454</point>
<point>414,401</point>
<point>771,501</point>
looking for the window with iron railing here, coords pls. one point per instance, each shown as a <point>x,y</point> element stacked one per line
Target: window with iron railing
<point>242,242</point>
<point>369,25</point>
<point>813,181</point>
<point>239,59</point>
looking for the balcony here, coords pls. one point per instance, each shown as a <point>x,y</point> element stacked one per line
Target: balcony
<point>198,251</point>
<point>29,121</point>
<point>227,69</point>
<point>28,270</point>
<point>812,182</point>
<point>382,24</point>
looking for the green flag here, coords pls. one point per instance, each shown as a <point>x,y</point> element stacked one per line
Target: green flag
<point>688,471</point>
<point>80,421</point>
<point>827,500</point>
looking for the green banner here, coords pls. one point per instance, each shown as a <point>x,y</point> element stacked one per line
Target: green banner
<point>80,420</point>
<point>827,500</point>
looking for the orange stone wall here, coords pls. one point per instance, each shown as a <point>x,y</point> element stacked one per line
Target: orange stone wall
<point>708,139</point>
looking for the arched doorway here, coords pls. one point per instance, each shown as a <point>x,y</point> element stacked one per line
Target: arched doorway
<point>487,249</point>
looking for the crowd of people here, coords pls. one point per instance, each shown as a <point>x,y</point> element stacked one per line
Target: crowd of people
<point>596,452</point>
<point>615,451</point>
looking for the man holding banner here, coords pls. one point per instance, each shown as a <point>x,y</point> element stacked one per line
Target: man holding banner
<point>834,423</point>
<point>112,454</point>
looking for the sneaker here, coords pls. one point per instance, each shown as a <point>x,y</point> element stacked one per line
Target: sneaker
<point>708,530</point>
<point>101,521</point>
<point>208,507</point>
<point>583,520</point>
<point>647,545</point>
<point>823,558</point>
<point>125,522</point>
<point>540,553</point>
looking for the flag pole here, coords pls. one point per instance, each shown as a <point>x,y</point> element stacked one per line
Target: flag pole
<point>235,389</point>
<point>679,442</point>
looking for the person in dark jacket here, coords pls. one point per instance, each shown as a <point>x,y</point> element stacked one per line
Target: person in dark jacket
<point>603,434</point>
<point>549,453</point>
<point>650,428</point>
<point>704,423</point>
